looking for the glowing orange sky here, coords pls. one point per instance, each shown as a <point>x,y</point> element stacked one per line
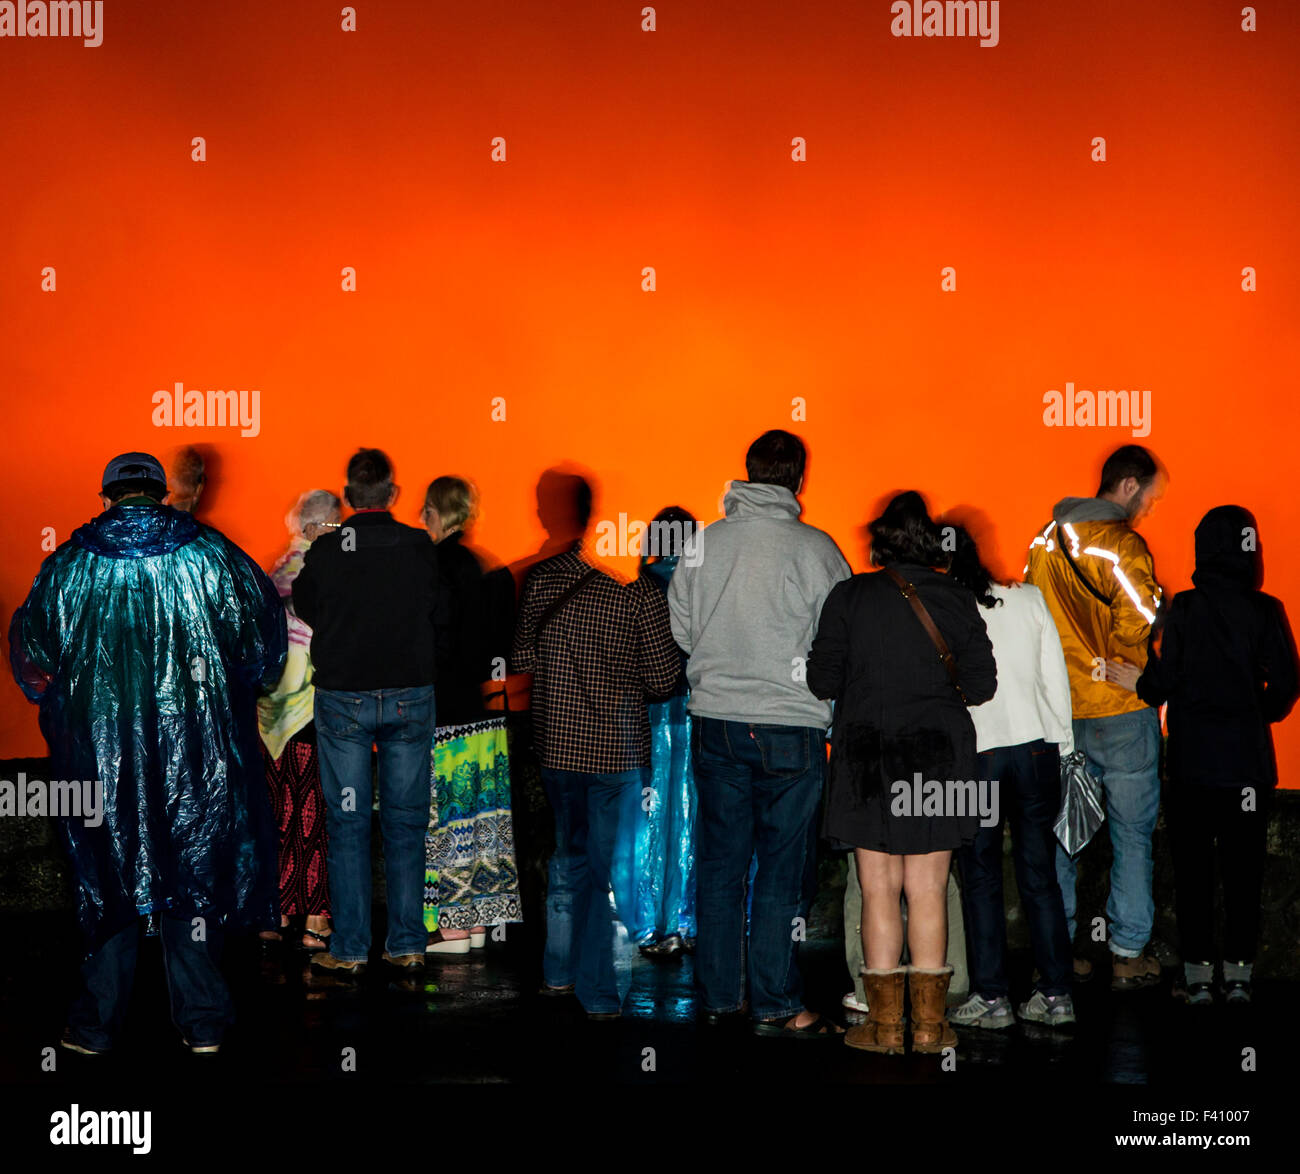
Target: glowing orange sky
<point>669,149</point>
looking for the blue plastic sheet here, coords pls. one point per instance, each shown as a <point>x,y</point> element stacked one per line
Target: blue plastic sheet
<point>145,640</point>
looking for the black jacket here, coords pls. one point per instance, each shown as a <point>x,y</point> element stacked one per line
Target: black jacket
<point>462,644</point>
<point>369,593</point>
<point>1227,664</point>
<point>896,710</point>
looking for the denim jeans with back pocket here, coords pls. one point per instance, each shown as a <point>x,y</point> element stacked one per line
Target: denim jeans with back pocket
<point>1124,751</point>
<point>400,722</point>
<point>759,789</point>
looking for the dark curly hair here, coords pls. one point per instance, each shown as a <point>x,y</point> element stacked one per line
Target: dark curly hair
<point>905,533</point>
<point>965,567</point>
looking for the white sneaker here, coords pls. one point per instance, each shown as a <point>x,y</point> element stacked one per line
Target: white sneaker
<point>442,946</point>
<point>850,1003</point>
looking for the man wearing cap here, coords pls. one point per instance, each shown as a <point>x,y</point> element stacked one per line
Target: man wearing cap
<point>145,639</point>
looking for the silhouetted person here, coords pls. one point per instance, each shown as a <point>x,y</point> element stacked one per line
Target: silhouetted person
<point>745,612</point>
<point>1096,573</point>
<point>145,638</point>
<point>597,648</point>
<point>369,593</point>
<point>1227,668</point>
<point>186,481</point>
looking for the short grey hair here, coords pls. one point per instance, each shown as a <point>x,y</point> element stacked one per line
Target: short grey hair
<point>314,506</point>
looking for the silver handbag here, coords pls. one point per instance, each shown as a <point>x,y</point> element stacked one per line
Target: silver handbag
<point>1082,809</point>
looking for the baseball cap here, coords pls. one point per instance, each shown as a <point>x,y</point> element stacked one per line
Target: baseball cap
<point>134,466</point>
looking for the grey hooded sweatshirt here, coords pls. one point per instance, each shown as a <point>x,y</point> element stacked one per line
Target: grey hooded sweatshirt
<point>745,609</point>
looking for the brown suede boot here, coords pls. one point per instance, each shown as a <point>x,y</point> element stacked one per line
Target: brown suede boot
<point>883,1029</point>
<point>931,1031</point>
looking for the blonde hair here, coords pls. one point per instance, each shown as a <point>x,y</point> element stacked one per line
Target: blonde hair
<point>454,498</point>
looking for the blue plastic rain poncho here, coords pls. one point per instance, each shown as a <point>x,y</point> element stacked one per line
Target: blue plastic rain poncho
<point>145,639</point>
<point>654,858</point>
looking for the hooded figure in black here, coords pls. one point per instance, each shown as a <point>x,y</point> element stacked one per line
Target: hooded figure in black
<point>1227,664</point>
<point>1227,668</point>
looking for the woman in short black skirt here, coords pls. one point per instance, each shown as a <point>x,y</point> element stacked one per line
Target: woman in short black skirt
<point>900,723</point>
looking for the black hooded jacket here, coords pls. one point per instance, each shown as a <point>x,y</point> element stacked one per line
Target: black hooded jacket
<point>1227,665</point>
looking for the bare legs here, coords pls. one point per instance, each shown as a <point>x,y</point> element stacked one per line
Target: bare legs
<point>924,879</point>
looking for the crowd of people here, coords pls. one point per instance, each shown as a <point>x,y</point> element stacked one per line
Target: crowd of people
<point>242,726</point>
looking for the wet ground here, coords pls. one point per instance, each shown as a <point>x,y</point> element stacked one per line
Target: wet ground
<point>302,1043</point>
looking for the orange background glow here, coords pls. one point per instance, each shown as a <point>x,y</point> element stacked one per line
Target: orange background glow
<point>670,149</point>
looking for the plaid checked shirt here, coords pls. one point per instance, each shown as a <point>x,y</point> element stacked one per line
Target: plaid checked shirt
<point>600,656</point>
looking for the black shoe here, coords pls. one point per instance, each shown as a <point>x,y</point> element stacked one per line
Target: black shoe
<point>666,947</point>
<point>737,1018</point>
<point>69,1041</point>
<point>273,949</point>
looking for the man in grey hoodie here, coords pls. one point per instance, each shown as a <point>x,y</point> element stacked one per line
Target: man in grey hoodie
<point>745,610</point>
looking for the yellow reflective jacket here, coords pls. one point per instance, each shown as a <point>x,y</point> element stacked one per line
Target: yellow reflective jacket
<point>1106,609</point>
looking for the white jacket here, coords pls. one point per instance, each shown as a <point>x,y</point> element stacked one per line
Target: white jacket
<point>1033,697</point>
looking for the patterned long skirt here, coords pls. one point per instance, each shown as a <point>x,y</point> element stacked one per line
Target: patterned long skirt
<point>470,876</point>
<point>299,807</point>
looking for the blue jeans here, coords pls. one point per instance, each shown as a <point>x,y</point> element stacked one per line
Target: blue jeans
<point>401,723</point>
<point>1124,750</point>
<point>759,788</point>
<point>200,1001</point>
<point>1029,793</point>
<point>589,811</point>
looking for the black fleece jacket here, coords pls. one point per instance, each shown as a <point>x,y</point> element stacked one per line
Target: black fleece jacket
<point>370,593</point>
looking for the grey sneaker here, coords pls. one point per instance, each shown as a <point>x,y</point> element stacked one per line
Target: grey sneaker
<point>979,1012</point>
<point>1236,981</point>
<point>1195,986</point>
<point>1054,1010</point>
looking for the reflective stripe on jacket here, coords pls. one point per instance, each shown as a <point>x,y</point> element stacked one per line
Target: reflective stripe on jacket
<point>1114,559</point>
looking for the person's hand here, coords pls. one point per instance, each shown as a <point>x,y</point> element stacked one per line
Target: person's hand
<point>1124,675</point>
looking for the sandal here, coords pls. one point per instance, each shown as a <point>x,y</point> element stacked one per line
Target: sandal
<point>819,1028</point>
<point>319,942</point>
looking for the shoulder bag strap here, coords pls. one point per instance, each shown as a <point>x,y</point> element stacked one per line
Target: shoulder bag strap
<point>936,637</point>
<point>1074,566</point>
<point>560,600</point>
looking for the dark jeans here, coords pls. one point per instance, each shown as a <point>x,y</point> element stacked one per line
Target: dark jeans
<point>200,1002</point>
<point>401,723</point>
<point>1199,819</point>
<point>589,811</point>
<point>759,787</point>
<point>1029,793</point>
